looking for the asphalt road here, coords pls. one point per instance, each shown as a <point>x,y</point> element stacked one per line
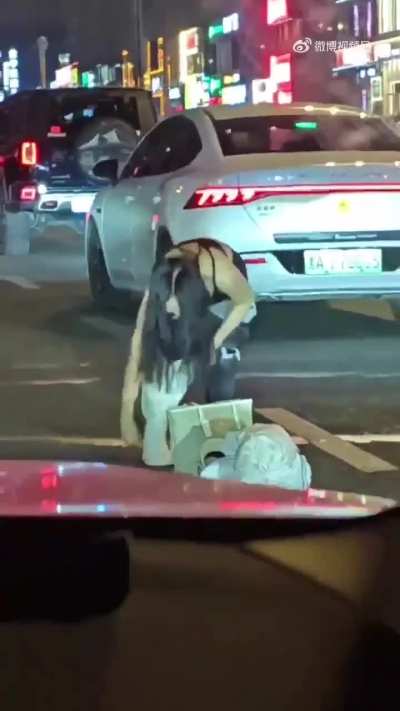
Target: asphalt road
<point>62,363</point>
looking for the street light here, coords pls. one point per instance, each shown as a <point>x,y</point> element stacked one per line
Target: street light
<point>137,22</point>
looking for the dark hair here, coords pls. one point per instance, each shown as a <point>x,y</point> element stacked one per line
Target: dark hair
<point>167,339</point>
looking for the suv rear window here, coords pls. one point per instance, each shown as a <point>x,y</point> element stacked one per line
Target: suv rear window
<point>291,134</point>
<point>69,110</point>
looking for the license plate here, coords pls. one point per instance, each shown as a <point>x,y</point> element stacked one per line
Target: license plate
<point>82,203</point>
<point>342,261</point>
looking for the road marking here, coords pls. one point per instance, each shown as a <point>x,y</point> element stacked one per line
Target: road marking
<point>49,366</point>
<point>327,442</point>
<point>20,281</point>
<point>61,381</point>
<point>120,444</point>
<point>307,375</point>
<point>371,438</point>
<point>360,439</point>
<point>76,441</point>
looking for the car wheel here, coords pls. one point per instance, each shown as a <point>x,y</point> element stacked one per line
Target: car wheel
<point>15,233</point>
<point>395,307</point>
<point>104,294</point>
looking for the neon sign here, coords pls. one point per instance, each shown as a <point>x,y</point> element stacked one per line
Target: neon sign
<point>188,46</point>
<point>229,24</point>
<point>276,11</point>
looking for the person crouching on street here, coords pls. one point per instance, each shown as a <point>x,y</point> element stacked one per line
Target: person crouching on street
<point>198,302</point>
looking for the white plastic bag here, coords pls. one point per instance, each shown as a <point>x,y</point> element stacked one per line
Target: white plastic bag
<point>264,455</point>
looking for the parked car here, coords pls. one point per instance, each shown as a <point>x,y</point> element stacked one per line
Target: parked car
<point>50,141</point>
<point>307,194</point>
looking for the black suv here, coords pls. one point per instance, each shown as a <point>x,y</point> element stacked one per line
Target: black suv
<point>50,141</point>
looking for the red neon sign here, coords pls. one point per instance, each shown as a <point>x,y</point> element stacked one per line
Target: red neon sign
<point>277,11</point>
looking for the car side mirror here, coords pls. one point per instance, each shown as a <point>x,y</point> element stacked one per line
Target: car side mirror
<point>107,170</point>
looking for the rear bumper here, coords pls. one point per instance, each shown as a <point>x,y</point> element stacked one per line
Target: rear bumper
<point>65,203</point>
<point>272,282</point>
<point>63,208</point>
<point>283,292</point>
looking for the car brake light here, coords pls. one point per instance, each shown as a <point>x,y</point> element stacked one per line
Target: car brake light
<point>29,153</point>
<point>55,130</point>
<point>28,193</point>
<point>253,261</point>
<point>230,196</point>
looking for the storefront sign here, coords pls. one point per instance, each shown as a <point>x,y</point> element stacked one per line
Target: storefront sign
<point>174,93</point>
<point>357,56</point>
<point>75,75</point>
<point>215,31</point>
<point>67,76</point>
<point>231,79</point>
<point>88,80</point>
<point>229,24</point>
<point>382,50</point>
<point>236,94</point>
<point>276,11</point>
<point>11,72</point>
<point>195,92</point>
<point>189,45</point>
<point>64,76</point>
<point>263,90</point>
<point>6,76</point>
<point>281,69</point>
<point>213,86</point>
<point>284,97</point>
<point>156,85</point>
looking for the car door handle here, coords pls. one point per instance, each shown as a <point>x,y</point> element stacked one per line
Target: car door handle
<point>156,199</point>
<point>129,199</point>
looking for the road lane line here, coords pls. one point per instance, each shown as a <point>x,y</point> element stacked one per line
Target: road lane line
<point>119,443</point>
<point>327,442</point>
<point>373,438</point>
<point>358,439</point>
<point>48,366</point>
<point>76,441</point>
<point>21,282</point>
<point>307,375</point>
<point>61,381</point>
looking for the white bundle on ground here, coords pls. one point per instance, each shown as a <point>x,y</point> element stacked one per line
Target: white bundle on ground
<point>262,454</point>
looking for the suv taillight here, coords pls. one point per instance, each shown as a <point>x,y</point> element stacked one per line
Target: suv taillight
<point>28,193</point>
<point>29,153</point>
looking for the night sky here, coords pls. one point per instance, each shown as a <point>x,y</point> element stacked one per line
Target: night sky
<point>90,30</point>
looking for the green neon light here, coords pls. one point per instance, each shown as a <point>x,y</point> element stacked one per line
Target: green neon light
<point>306,125</point>
<point>215,30</point>
<point>216,84</point>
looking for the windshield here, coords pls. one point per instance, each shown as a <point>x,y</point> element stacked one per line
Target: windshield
<point>199,258</point>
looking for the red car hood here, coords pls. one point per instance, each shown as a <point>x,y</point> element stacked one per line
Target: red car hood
<point>70,489</point>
